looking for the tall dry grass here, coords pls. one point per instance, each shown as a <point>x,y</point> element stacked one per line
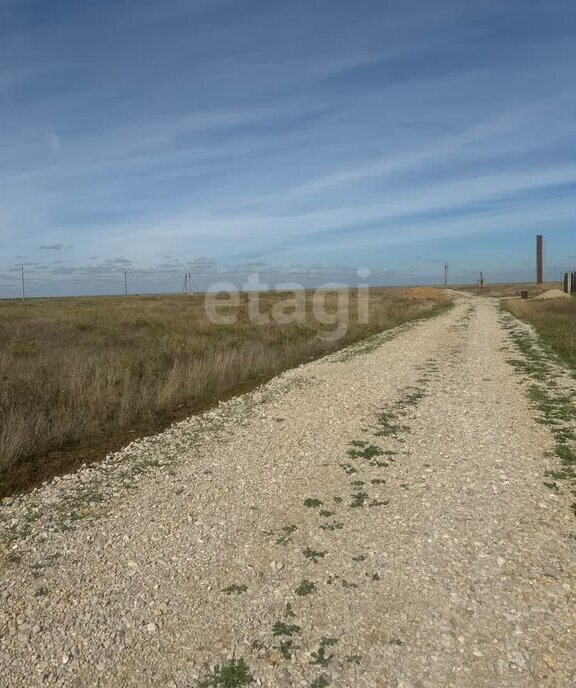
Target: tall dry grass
<point>74,371</point>
<point>554,319</point>
<point>508,289</point>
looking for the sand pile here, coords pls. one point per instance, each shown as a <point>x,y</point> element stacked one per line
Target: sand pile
<point>424,294</point>
<point>552,294</point>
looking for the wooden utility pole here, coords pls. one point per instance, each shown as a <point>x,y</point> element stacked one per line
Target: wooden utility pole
<point>23,292</point>
<point>445,274</point>
<point>125,283</point>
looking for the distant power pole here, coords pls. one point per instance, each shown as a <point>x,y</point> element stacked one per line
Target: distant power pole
<point>190,285</point>
<point>125,283</point>
<point>23,292</point>
<point>445,274</point>
<point>195,288</point>
<point>539,259</point>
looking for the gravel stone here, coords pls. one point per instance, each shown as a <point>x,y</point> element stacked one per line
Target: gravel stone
<point>447,564</point>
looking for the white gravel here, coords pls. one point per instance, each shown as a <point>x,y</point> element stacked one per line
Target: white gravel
<point>458,570</point>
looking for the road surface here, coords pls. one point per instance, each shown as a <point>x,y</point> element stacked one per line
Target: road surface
<point>377,518</point>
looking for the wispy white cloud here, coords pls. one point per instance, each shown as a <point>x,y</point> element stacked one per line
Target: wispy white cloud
<point>418,199</point>
<point>284,131</point>
<point>481,139</point>
<point>52,247</point>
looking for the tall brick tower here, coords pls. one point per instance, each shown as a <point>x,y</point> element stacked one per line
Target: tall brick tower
<point>539,258</point>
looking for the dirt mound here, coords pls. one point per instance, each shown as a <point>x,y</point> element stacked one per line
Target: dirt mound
<point>424,294</point>
<point>552,294</point>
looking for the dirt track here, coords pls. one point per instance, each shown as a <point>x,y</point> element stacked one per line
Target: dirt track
<point>429,552</point>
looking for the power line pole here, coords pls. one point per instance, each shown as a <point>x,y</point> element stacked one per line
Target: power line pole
<point>194,288</point>
<point>445,274</point>
<point>190,284</point>
<point>125,283</point>
<point>23,292</point>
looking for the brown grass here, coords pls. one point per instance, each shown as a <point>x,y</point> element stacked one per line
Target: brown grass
<point>510,289</point>
<point>555,320</point>
<point>425,293</point>
<point>79,377</point>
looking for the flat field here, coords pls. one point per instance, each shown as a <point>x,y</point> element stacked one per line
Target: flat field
<point>80,377</point>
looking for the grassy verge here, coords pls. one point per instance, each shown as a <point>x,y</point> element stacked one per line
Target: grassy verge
<point>80,377</point>
<point>508,289</point>
<point>555,321</point>
<point>553,396</point>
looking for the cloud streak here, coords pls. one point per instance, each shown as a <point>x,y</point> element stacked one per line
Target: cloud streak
<point>283,134</point>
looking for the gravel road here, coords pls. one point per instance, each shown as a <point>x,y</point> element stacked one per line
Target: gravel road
<point>377,518</point>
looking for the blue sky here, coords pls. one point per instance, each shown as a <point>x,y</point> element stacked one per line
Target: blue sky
<point>300,139</point>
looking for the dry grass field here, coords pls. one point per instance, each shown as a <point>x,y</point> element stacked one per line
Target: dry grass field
<point>508,289</point>
<point>555,320</point>
<point>82,376</point>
